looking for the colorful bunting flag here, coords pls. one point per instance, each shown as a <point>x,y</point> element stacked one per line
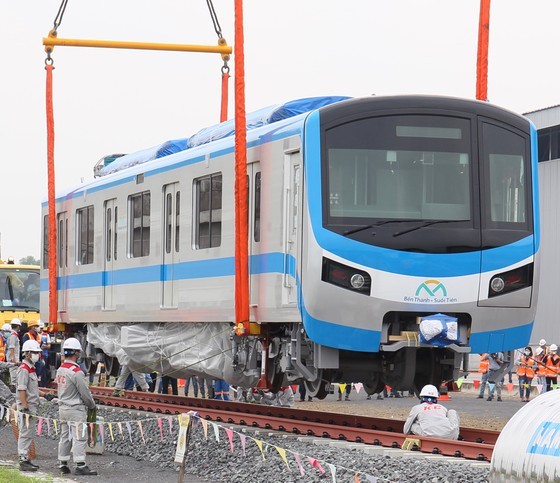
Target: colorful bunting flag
<point>297,457</point>
<point>160,425</point>
<point>316,464</point>
<point>216,431</point>
<point>358,386</point>
<point>460,382</point>
<point>40,427</point>
<point>141,431</point>
<point>259,443</point>
<point>111,431</point>
<point>229,433</point>
<point>127,424</point>
<point>282,453</point>
<point>476,383</point>
<point>509,386</point>
<point>342,388</point>
<point>243,439</point>
<point>333,471</point>
<point>356,478</point>
<point>204,427</point>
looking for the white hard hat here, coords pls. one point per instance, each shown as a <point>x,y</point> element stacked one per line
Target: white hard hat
<point>542,342</point>
<point>429,391</point>
<point>31,346</point>
<point>539,351</point>
<point>6,327</point>
<point>553,347</point>
<point>15,321</point>
<point>72,344</point>
<point>41,323</point>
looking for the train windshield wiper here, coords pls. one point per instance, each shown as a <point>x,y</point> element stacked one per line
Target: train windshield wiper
<point>362,228</point>
<point>424,225</point>
<point>24,308</point>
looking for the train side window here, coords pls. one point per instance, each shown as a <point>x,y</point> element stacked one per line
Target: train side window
<point>46,241</point>
<point>177,218</point>
<point>84,220</point>
<point>208,211</point>
<point>257,220</point>
<point>139,217</point>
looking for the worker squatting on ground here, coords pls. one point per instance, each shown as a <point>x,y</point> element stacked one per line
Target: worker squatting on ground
<point>74,398</point>
<point>432,419</point>
<point>27,395</point>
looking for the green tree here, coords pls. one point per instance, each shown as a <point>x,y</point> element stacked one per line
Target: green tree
<point>29,260</point>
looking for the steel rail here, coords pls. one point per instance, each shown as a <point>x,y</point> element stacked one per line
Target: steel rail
<point>374,431</point>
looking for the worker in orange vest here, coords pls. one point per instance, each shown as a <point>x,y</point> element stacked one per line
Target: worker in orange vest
<point>6,329</point>
<point>540,359</point>
<point>483,369</point>
<point>552,367</point>
<point>526,369</point>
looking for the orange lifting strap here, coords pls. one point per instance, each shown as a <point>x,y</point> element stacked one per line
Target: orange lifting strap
<point>241,209</point>
<point>482,56</point>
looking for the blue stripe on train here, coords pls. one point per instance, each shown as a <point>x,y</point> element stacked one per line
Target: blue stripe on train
<point>219,267</point>
<point>393,261</point>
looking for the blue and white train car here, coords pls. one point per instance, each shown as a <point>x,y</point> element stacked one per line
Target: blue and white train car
<point>389,236</point>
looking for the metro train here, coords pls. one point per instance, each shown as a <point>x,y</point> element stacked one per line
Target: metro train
<point>369,219</point>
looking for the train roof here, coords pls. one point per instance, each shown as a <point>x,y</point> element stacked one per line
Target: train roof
<point>262,117</point>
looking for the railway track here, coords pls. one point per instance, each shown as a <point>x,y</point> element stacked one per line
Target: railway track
<point>477,444</point>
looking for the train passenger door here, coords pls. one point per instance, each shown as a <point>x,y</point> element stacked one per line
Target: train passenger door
<point>171,240</point>
<point>254,186</point>
<point>292,220</point>
<point>109,253</point>
<point>62,258</point>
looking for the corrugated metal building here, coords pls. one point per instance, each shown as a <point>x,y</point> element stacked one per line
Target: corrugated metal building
<point>547,320</point>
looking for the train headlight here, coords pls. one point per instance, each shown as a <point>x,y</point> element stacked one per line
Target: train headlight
<point>357,281</point>
<point>497,284</point>
<point>346,277</point>
<point>511,281</point>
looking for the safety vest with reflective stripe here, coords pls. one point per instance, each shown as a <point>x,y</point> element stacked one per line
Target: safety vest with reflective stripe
<point>484,364</point>
<point>2,349</point>
<point>541,365</point>
<point>526,367</point>
<point>552,365</point>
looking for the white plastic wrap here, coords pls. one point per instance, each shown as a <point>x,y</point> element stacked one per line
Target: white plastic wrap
<point>173,349</point>
<point>430,328</point>
<point>528,448</point>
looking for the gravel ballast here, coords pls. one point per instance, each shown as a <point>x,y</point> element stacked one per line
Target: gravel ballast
<point>213,460</point>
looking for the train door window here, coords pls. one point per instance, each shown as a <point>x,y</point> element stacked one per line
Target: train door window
<point>257,214</point>
<point>108,232</point>
<point>84,219</point>
<point>139,216</point>
<point>177,218</point>
<point>208,206</point>
<point>168,221</point>
<point>62,238</point>
<point>46,241</point>
<point>115,218</point>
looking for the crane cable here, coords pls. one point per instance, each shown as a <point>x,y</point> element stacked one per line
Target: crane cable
<point>225,57</point>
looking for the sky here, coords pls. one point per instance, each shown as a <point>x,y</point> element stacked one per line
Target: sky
<point>120,101</point>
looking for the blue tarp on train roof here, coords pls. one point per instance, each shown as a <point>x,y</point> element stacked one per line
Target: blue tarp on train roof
<point>262,117</point>
<point>145,155</point>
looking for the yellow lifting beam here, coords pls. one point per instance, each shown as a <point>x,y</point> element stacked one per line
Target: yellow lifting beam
<point>222,48</point>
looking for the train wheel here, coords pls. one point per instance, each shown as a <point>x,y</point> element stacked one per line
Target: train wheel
<point>319,388</point>
<point>112,365</point>
<point>373,386</point>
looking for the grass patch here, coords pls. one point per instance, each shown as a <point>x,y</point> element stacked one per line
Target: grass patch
<point>13,475</point>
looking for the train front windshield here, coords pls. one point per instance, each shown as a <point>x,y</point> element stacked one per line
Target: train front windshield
<point>421,168</point>
<point>19,289</point>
